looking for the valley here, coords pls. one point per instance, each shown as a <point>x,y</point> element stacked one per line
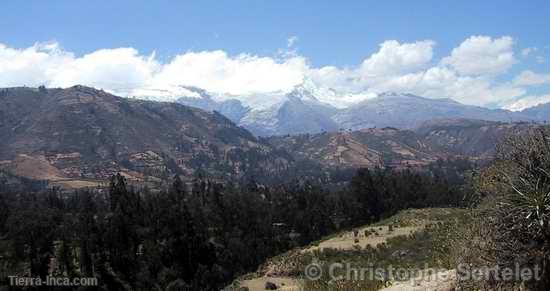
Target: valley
<point>184,191</point>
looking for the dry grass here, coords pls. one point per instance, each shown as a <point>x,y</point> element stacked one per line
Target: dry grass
<point>420,231</point>
<point>376,235</point>
<point>78,184</point>
<point>36,167</point>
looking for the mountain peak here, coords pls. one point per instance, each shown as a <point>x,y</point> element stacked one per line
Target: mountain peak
<point>304,91</point>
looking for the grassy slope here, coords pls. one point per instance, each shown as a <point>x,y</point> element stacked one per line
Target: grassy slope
<point>430,246</point>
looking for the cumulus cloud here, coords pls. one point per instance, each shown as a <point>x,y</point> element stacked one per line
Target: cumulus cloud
<point>394,57</point>
<point>340,79</point>
<point>126,72</point>
<point>438,82</point>
<point>241,74</point>
<point>405,67</point>
<point>121,70</point>
<point>467,75</point>
<point>482,55</point>
<point>32,66</point>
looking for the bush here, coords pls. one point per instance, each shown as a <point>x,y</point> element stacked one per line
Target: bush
<point>512,225</point>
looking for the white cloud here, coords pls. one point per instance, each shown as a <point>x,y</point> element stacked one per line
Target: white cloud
<point>530,78</point>
<point>220,73</point>
<point>482,55</point>
<point>466,75</point>
<point>340,79</point>
<point>526,102</point>
<point>32,66</point>
<point>120,70</point>
<point>126,72</point>
<point>394,57</point>
<point>405,68</point>
<point>438,82</point>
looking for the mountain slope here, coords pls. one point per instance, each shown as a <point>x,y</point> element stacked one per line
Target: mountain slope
<point>83,133</point>
<point>83,136</point>
<point>380,147</point>
<point>471,138</point>
<point>363,148</point>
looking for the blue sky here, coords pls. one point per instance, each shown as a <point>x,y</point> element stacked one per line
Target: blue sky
<point>327,33</point>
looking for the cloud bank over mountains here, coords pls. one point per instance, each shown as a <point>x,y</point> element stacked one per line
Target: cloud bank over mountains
<point>471,73</point>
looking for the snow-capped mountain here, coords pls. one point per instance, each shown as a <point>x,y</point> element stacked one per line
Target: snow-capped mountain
<point>306,109</point>
<point>231,108</point>
<point>298,111</point>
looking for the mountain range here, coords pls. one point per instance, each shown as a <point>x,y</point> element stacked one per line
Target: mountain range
<point>301,111</point>
<point>80,136</point>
